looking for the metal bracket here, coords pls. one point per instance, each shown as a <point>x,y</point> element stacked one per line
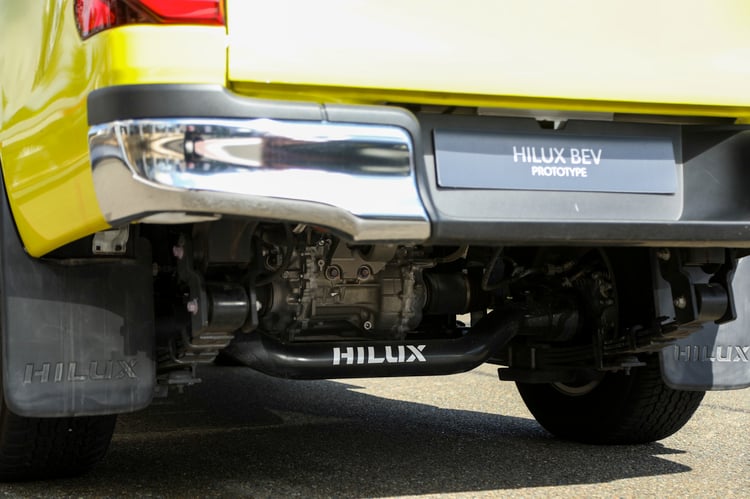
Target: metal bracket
<point>698,297</point>
<point>111,242</point>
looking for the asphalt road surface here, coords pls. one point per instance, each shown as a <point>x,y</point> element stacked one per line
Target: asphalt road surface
<point>242,434</point>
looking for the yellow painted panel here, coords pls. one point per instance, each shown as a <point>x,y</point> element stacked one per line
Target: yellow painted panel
<point>694,52</point>
<point>374,96</point>
<point>43,125</point>
<point>160,54</point>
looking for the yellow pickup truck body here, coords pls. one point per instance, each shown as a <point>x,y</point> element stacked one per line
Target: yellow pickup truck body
<point>357,188</point>
<point>671,58</point>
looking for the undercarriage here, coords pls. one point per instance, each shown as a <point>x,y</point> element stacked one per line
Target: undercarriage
<point>297,301</point>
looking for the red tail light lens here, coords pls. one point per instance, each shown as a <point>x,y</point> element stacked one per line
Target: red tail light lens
<point>93,16</point>
<point>191,11</point>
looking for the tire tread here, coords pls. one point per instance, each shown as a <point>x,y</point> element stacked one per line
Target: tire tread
<point>35,448</point>
<point>630,408</point>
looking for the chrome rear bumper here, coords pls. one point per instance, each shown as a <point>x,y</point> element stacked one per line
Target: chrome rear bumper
<point>370,173</point>
<point>357,179</point>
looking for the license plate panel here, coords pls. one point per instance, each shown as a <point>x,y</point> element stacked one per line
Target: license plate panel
<point>555,162</point>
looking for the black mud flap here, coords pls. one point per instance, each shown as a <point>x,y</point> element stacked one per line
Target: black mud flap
<point>718,356</point>
<point>77,339</point>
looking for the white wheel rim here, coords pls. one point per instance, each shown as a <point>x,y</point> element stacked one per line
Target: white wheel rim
<point>576,391</point>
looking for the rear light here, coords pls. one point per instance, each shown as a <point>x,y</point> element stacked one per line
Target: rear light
<point>93,16</point>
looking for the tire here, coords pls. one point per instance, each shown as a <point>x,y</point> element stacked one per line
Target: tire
<point>41,448</point>
<point>620,408</point>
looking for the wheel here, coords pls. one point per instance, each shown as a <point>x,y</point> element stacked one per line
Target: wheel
<point>619,408</point>
<point>38,448</point>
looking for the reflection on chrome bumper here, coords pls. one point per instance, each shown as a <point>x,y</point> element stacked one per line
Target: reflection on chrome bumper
<point>356,179</point>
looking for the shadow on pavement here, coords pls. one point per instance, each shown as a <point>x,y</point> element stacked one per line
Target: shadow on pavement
<point>250,435</point>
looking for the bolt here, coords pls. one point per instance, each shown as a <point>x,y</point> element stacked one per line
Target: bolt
<point>258,305</point>
<point>364,272</point>
<point>192,306</point>
<point>663,254</point>
<point>680,302</point>
<point>367,325</point>
<point>178,252</point>
<point>332,273</point>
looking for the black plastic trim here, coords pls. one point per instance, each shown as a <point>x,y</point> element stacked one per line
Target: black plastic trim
<point>610,233</point>
<point>710,208</point>
<point>128,102</point>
